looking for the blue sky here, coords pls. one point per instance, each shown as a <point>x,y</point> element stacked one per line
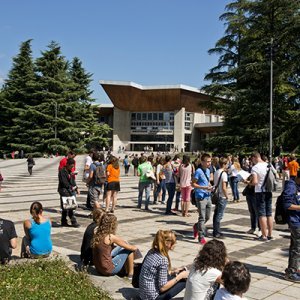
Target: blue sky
<point>154,42</point>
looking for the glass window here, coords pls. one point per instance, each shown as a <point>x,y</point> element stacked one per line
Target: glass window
<point>138,115</point>
<point>144,116</point>
<point>160,116</point>
<point>133,116</point>
<point>150,116</point>
<point>155,117</point>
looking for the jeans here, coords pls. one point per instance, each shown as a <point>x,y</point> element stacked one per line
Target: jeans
<point>173,291</point>
<point>204,211</point>
<point>294,251</point>
<point>234,181</point>
<point>147,187</point>
<point>178,194</point>
<point>160,187</point>
<point>119,256</point>
<point>218,215</point>
<point>171,186</point>
<point>251,201</point>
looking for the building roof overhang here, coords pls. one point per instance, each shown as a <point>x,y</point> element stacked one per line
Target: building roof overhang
<point>130,96</point>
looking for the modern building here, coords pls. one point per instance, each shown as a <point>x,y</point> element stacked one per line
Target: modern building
<point>162,118</point>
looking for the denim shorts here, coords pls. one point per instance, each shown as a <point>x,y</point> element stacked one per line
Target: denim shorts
<point>119,257</point>
<point>264,204</point>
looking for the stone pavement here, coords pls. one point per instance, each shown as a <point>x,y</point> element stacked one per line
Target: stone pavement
<point>266,261</point>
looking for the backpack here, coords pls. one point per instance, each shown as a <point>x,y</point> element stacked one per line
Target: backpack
<point>269,183</point>
<point>281,214</point>
<point>135,162</point>
<point>100,174</point>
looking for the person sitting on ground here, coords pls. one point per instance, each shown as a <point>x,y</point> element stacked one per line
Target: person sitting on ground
<point>236,280</point>
<point>205,275</point>
<point>156,280</point>
<point>37,241</point>
<point>8,240</point>
<point>86,253</point>
<point>110,252</point>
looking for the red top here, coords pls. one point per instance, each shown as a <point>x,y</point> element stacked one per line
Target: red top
<point>63,163</point>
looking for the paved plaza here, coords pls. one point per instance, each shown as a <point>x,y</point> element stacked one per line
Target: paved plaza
<point>266,261</point>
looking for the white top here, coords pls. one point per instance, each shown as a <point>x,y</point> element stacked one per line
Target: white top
<point>88,161</point>
<point>260,169</point>
<point>223,294</point>
<point>233,171</point>
<point>198,283</point>
<point>224,178</point>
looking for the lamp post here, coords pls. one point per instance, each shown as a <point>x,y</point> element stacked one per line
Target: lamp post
<point>271,102</point>
<point>55,128</point>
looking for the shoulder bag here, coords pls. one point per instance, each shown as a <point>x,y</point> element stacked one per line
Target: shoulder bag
<point>215,193</point>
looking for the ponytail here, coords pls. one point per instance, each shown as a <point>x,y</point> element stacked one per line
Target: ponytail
<point>36,209</point>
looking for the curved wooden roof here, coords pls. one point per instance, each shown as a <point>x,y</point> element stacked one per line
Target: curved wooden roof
<point>130,96</point>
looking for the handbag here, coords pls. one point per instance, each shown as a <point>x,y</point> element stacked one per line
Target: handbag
<point>69,202</point>
<point>136,275</point>
<point>1,177</point>
<point>193,197</point>
<point>215,193</point>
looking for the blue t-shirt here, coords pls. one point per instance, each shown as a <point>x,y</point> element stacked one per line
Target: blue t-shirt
<point>40,238</point>
<point>93,167</point>
<point>202,180</point>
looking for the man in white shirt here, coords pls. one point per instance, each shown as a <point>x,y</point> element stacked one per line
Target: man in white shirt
<point>220,183</point>
<point>263,198</point>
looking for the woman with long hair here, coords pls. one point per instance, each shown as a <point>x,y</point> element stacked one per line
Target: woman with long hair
<point>185,180</point>
<point>206,271</point>
<point>113,183</point>
<point>235,178</point>
<point>110,252</point>
<point>37,241</point>
<point>156,280</point>
<point>160,191</point>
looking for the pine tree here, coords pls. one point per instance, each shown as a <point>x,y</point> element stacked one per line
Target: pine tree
<point>17,96</point>
<point>243,72</point>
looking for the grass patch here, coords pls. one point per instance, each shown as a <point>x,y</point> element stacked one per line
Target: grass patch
<point>46,279</point>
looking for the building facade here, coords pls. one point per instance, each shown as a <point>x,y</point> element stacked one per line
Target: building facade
<point>161,118</point>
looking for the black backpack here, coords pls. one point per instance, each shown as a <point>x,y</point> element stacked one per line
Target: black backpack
<point>100,174</point>
<point>281,214</point>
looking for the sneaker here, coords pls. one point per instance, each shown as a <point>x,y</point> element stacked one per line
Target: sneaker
<point>294,277</point>
<point>270,238</point>
<point>251,231</point>
<point>262,239</point>
<point>219,236</point>
<point>163,202</point>
<point>64,224</point>
<point>195,230</point>
<point>75,225</point>
<point>203,241</point>
<point>170,213</point>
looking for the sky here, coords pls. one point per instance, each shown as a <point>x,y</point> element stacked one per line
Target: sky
<point>154,42</point>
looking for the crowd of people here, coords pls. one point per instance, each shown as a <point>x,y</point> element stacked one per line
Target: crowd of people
<point>211,275</point>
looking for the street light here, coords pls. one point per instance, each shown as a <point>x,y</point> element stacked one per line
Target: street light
<point>271,102</point>
<point>55,128</point>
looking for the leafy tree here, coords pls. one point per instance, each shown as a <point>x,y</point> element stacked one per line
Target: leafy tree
<point>242,75</point>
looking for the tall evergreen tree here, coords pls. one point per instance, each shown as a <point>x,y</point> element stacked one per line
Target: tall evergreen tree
<point>243,71</point>
<point>17,95</point>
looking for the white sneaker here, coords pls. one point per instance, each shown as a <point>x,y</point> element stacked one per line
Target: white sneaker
<point>257,232</point>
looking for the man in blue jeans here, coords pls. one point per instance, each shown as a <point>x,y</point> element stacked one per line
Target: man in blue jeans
<point>203,188</point>
<point>220,183</point>
<point>291,196</point>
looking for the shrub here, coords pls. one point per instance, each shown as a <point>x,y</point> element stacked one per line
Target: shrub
<point>46,279</point>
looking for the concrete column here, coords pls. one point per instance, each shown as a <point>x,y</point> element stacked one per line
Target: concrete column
<point>121,129</point>
<point>179,117</point>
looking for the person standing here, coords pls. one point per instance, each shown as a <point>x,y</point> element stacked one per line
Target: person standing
<point>67,187</point>
<point>145,182</point>
<point>293,167</point>
<point>8,240</point>
<point>185,181</point>
<point>30,164</point>
<point>86,173</point>
<point>203,188</point>
<point>113,183</point>
<point>291,198</point>
<point>220,183</point>
<point>170,184</point>
<point>126,165</point>
<point>263,197</point>
<point>135,163</point>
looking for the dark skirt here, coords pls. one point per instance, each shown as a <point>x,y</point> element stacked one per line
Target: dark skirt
<point>113,186</point>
